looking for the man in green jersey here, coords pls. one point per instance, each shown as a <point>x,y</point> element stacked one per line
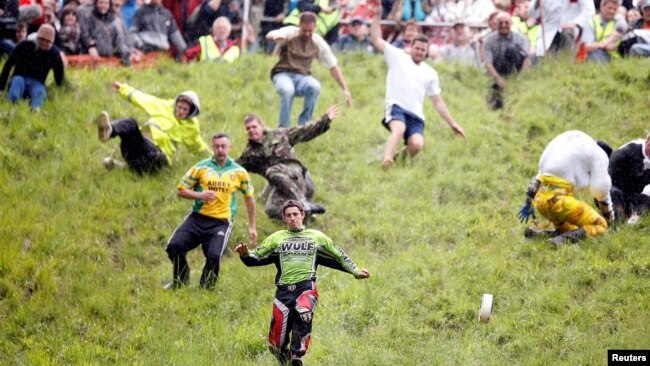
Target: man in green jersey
<point>296,294</point>
<point>211,184</point>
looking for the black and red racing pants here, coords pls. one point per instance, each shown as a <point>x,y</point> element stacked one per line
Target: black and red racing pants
<point>293,308</point>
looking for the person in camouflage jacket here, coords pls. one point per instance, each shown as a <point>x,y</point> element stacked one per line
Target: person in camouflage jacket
<point>270,153</point>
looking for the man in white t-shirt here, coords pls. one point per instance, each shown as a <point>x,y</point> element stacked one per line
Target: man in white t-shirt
<point>408,81</point>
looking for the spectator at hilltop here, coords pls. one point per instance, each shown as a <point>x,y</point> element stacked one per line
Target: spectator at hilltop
<point>506,53</point>
<point>31,62</point>
<point>409,32</point>
<point>217,46</point>
<point>8,45</point>
<point>460,50</point>
<point>154,29</point>
<point>275,9</point>
<point>205,17</point>
<point>102,35</point>
<point>561,23</point>
<point>327,13</point>
<point>357,40</point>
<point>182,10</point>
<point>522,23</point>
<point>602,33</point>
<point>69,36</point>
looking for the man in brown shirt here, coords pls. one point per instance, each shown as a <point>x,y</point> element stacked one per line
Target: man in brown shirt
<point>292,74</point>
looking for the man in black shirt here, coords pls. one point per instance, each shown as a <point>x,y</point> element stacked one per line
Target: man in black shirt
<point>32,61</point>
<point>629,167</point>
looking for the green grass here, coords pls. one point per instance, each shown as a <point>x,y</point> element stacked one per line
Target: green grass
<point>82,258</point>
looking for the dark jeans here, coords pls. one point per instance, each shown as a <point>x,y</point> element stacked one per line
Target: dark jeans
<point>212,234</point>
<point>141,155</point>
<point>563,41</point>
<point>21,87</point>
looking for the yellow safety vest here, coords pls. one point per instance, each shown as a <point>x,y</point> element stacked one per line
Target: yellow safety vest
<point>520,26</point>
<point>601,34</point>
<point>324,22</point>
<point>210,51</point>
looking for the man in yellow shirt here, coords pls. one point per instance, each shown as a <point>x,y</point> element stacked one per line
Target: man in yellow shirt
<point>211,183</point>
<point>172,122</point>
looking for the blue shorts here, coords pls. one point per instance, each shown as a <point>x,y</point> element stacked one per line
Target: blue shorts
<point>414,124</point>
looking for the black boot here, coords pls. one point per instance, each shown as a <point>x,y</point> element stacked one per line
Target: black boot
<point>572,236</point>
<point>316,209</point>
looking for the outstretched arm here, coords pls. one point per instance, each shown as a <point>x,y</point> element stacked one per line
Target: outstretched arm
<point>441,107</point>
<point>150,104</point>
<point>375,28</point>
<point>313,128</point>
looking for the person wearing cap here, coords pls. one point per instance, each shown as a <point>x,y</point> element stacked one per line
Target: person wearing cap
<point>603,32</point>
<point>629,167</point>
<point>31,62</point>
<point>572,162</point>
<point>357,40</point>
<point>292,76</point>
<point>506,53</point>
<point>408,81</point>
<point>212,184</point>
<point>460,50</point>
<point>298,250</point>
<point>270,153</point>
<point>171,123</point>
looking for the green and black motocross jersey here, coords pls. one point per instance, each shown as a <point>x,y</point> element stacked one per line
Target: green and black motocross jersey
<point>298,252</point>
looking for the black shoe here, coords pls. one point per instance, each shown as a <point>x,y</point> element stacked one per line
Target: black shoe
<point>296,362</point>
<point>312,208</point>
<point>316,209</point>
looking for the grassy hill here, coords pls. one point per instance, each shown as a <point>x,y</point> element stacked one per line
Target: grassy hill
<point>82,259</point>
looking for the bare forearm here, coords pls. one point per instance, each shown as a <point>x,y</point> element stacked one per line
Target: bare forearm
<point>188,194</point>
<point>375,32</point>
<point>492,71</point>
<point>250,210</point>
<point>338,76</point>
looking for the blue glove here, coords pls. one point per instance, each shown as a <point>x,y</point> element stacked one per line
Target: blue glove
<point>526,211</point>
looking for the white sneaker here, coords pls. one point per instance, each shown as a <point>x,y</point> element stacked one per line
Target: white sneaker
<point>110,163</point>
<point>104,128</point>
<point>633,219</point>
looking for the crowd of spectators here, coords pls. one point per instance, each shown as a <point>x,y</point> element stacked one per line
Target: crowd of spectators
<point>127,30</point>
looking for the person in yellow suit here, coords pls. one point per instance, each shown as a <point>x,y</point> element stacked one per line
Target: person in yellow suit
<point>571,162</point>
<point>172,123</point>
